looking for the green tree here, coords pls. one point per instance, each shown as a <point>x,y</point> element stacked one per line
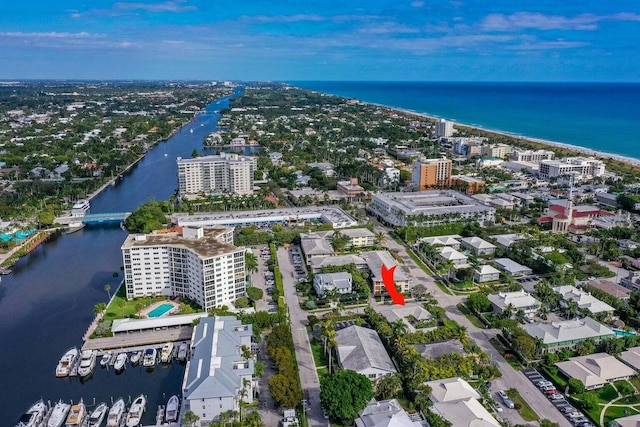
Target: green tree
<point>525,345</point>
<point>478,303</point>
<point>45,218</point>
<point>575,386</point>
<point>250,262</point>
<point>107,288</point>
<point>99,308</point>
<point>242,302</point>
<point>589,401</point>
<point>148,217</point>
<point>388,386</point>
<point>190,419</point>
<point>547,423</point>
<point>344,394</point>
<point>255,293</point>
<point>284,390</point>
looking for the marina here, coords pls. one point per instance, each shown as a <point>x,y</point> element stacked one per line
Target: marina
<point>53,305</point>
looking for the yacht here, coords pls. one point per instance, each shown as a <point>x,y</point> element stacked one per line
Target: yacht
<point>167,349</point>
<point>182,352</point>
<point>66,363</point>
<point>81,207</point>
<point>98,414</point>
<point>116,414</point>
<point>134,417</point>
<point>87,363</point>
<point>121,361</point>
<point>149,359</point>
<point>77,415</point>
<point>136,357</point>
<point>171,413</point>
<point>59,414</point>
<point>106,359</point>
<point>34,415</point>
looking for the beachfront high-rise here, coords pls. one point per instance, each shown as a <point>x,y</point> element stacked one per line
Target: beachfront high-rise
<point>431,174</point>
<point>224,172</point>
<point>195,263</point>
<point>444,128</point>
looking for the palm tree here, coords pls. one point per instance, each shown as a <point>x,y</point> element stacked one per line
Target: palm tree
<point>190,418</point>
<point>250,262</point>
<point>399,328</point>
<point>379,238</point>
<point>508,311</point>
<point>331,344</point>
<point>571,309</point>
<point>107,288</point>
<point>99,308</point>
<point>542,312</point>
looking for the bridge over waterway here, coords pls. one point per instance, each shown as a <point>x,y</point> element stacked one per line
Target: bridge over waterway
<point>96,218</point>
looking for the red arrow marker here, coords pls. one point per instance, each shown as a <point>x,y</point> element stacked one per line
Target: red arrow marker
<point>387,278</point>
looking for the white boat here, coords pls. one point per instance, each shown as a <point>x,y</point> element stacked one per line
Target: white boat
<point>136,357</point>
<point>150,356</point>
<point>34,415</point>
<point>190,130</point>
<point>81,207</point>
<point>59,414</point>
<point>106,359</point>
<point>182,352</point>
<point>134,417</point>
<point>66,362</point>
<point>98,414</point>
<point>116,414</point>
<point>77,415</point>
<point>87,362</point>
<point>165,355</point>
<point>171,413</point>
<point>121,361</point>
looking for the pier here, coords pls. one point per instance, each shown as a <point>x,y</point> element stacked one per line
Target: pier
<point>139,339</point>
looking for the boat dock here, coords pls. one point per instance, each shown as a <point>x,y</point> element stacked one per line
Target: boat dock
<point>139,339</point>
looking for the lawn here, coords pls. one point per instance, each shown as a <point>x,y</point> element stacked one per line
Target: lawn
<point>473,319</point>
<point>121,308</point>
<point>525,410</point>
<point>557,379</point>
<point>319,357</point>
<point>426,269</point>
<point>614,412</point>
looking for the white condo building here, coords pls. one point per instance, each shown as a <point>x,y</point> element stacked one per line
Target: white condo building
<point>197,263</point>
<point>215,174</point>
<point>444,129</point>
<point>530,156</point>
<point>583,167</point>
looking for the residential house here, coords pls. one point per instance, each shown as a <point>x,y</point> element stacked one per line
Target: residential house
<point>567,334</point>
<point>511,267</point>
<point>465,413</point>
<point>315,246</point>
<point>436,349</point>
<point>361,350</point>
<point>409,315</point>
<point>318,263</point>
<point>359,237</point>
<point>340,282</point>
<point>447,253</point>
<point>595,370</point>
<point>386,413</point>
<point>216,373</point>
<point>631,357</point>
<point>506,240</point>
<point>375,260</point>
<point>632,281</point>
<point>519,300</point>
<point>478,246</point>
<point>583,299</point>
<point>486,273</point>
<point>451,390</point>
<point>616,291</point>
<point>452,240</point>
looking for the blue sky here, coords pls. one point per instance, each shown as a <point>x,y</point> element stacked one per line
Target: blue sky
<point>526,40</point>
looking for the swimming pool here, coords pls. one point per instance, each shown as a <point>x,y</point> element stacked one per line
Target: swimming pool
<point>160,310</point>
<point>17,236</point>
<point>620,333</point>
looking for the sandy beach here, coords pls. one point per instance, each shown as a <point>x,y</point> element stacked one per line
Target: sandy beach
<point>551,144</point>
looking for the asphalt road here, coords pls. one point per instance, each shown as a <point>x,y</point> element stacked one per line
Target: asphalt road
<point>304,356</point>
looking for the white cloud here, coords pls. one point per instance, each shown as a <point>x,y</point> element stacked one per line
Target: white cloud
<point>49,35</point>
<point>528,20</point>
<point>170,6</point>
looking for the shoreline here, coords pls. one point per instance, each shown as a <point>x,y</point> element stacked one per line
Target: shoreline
<point>578,150</point>
<point>552,144</point>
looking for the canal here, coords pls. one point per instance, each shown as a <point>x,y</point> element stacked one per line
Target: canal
<point>47,303</point>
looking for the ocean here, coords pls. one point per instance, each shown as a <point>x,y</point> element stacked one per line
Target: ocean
<point>598,116</point>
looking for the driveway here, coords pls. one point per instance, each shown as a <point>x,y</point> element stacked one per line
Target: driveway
<point>304,356</point>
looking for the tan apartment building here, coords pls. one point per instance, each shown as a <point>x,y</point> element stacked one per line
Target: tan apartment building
<point>432,174</point>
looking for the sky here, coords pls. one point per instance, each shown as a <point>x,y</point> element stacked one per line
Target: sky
<point>294,40</point>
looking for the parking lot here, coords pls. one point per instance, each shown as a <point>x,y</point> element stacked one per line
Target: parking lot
<point>546,387</point>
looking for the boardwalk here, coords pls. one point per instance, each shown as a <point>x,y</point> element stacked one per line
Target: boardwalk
<point>134,339</point>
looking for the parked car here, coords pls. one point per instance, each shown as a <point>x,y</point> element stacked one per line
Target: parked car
<point>544,383</point>
<point>505,399</point>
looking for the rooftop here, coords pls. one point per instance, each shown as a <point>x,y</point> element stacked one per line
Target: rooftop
<point>206,246</point>
<point>451,390</point>
<point>568,330</point>
<point>360,349</point>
